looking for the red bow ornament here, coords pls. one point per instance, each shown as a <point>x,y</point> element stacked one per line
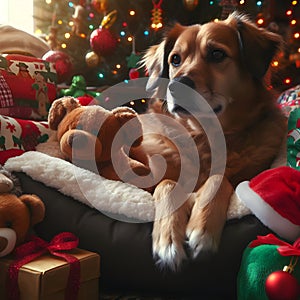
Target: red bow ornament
<point>284,249</point>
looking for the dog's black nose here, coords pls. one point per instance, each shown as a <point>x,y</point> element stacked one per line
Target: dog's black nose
<point>185,80</point>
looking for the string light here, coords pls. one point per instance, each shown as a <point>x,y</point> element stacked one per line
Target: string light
<point>242,2</point>
<point>293,22</point>
<point>132,12</point>
<point>260,21</point>
<point>296,35</point>
<point>287,80</point>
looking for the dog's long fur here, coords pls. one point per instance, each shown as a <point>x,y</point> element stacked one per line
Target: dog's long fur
<point>224,60</point>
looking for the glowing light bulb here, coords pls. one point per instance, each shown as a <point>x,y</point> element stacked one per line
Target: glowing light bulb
<point>132,12</point>
<point>287,80</point>
<point>260,21</point>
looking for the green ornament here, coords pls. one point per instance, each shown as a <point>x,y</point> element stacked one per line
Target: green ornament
<point>132,60</point>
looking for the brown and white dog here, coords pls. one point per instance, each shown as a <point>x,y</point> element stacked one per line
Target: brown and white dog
<point>225,62</point>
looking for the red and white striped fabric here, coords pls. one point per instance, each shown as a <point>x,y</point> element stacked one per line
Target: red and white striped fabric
<point>6,98</point>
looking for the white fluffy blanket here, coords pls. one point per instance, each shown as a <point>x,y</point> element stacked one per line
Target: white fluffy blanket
<point>111,197</point>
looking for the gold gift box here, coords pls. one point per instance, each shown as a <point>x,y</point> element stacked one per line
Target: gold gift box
<point>46,277</point>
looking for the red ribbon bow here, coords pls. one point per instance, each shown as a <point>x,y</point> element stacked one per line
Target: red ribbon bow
<point>35,248</point>
<point>285,248</point>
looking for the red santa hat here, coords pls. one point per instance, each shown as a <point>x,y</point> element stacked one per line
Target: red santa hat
<point>274,198</point>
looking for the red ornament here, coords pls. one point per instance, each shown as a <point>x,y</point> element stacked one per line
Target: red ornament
<point>134,73</point>
<point>62,64</point>
<point>102,41</point>
<point>282,285</point>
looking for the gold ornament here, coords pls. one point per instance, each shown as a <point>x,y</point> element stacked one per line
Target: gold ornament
<point>190,4</point>
<point>109,19</point>
<point>156,20</point>
<point>92,59</point>
<point>100,5</point>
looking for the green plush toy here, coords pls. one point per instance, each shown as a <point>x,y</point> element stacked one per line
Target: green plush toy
<point>293,139</point>
<point>261,275</point>
<point>273,196</point>
<point>78,88</point>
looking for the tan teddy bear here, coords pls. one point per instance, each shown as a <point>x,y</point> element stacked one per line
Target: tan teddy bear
<point>18,213</point>
<point>101,140</point>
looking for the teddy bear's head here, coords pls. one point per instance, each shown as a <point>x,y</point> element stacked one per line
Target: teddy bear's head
<point>88,132</point>
<point>17,216</point>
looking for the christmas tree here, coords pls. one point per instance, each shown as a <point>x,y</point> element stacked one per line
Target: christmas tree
<point>109,55</point>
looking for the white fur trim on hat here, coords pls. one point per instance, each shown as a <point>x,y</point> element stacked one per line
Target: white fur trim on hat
<point>266,214</point>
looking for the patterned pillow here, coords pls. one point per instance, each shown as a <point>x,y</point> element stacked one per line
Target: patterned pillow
<point>289,99</point>
<point>27,86</point>
<point>18,136</point>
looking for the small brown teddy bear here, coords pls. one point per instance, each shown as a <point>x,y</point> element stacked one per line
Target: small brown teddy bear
<point>101,140</point>
<point>18,213</point>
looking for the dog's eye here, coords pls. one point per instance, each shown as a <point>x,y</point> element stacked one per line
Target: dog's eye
<point>175,60</point>
<point>216,55</point>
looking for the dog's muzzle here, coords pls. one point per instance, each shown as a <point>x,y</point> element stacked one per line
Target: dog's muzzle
<point>182,98</point>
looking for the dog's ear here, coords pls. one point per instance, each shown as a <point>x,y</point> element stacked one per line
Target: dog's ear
<point>156,57</point>
<point>59,108</point>
<point>258,46</point>
<point>133,129</point>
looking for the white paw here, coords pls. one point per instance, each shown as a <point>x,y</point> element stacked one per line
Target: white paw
<point>169,256</point>
<point>201,240</point>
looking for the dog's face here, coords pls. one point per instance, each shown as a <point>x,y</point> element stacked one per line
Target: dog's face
<point>222,61</point>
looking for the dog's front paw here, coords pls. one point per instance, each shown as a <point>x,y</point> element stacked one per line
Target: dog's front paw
<point>167,246</point>
<point>200,240</point>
